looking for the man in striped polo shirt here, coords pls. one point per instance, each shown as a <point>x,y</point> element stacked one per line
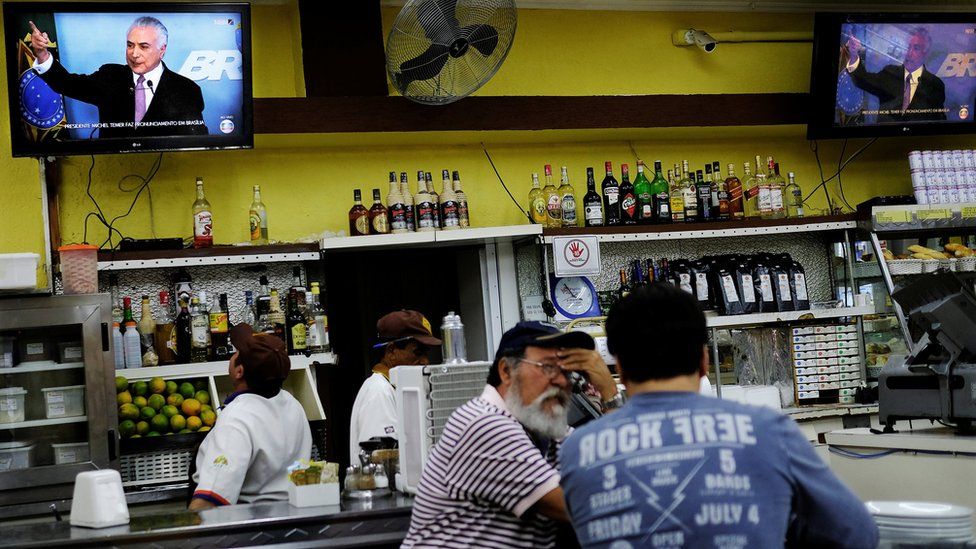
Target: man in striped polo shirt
<point>491,479</point>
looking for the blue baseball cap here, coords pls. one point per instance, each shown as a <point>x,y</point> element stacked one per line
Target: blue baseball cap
<point>532,333</point>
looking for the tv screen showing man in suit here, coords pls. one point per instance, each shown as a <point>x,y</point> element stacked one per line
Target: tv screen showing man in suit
<point>904,73</point>
<point>103,75</point>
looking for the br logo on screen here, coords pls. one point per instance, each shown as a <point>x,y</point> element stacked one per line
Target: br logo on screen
<point>576,252</point>
<point>227,125</point>
<point>212,65</point>
<point>40,106</point>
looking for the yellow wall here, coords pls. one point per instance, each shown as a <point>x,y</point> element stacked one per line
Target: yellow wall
<point>307,181</point>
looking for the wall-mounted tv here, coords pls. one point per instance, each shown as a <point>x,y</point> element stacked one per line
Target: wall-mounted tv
<point>114,77</point>
<point>886,74</point>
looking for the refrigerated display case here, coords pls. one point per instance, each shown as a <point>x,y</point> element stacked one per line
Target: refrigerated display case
<point>57,406</point>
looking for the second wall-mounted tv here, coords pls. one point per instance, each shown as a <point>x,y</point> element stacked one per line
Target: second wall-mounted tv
<point>127,77</point>
<point>887,74</point>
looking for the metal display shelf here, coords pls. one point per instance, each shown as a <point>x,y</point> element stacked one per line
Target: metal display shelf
<point>216,368</point>
<point>217,255</point>
<point>735,321</point>
<point>46,366</point>
<point>919,221</point>
<point>433,238</point>
<point>717,229</point>
<point>43,422</point>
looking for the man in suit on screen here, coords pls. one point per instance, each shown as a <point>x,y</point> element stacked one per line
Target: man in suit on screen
<point>142,98</point>
<point>906,92</point>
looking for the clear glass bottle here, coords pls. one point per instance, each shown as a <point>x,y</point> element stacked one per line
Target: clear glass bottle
<point>147,330</point>
<point>794,198</point>
<point>704,189</point>
<point>723,192</point>
<point>258,218</point>
<point>164,336</point>
<point>764,200</point>
<point>567,196</point>
<point>199,332</point>
<point>554,206</point>
<point>777,194</point>
<point>689,193</point>
<point>537,203</point>
<point>246,313</point>
<point>676,196</point>
<point>464,216</point>
<point>750,192</point>
<point>276,317</point>
<point>202,219</point>
<point>318,323</point>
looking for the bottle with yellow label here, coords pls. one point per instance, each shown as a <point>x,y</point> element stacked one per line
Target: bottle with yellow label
<point>358,215</point>
<point>295,326</point>
<point>537,203</point>
<point>258,219</point>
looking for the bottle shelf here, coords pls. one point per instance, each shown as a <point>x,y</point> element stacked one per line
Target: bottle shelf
<point>916,221</point>
<point>212,369</point>
<point>217,255</point>
<point>736,321</point>
<point>434,238</point>
<point>43,422</point>
<point>716,229</point>
<point>46,366</point>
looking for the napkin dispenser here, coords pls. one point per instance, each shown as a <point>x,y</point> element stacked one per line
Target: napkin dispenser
<point>98,500</point>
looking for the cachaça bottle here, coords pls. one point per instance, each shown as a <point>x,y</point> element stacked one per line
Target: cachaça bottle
<point>396,209</point>
<point>448,204</point>
<point>258,218</point>
<point>592,203</point>
<point>409,211</point>
<point>464,215</point>
<point>567,198</point>
<point>554,206</point>
<point>610,190</point>
<point>537,203</point>
<point>424,206</point>
<point>202,219</point>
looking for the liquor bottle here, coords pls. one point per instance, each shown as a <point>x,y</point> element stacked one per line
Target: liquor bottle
<point>182,290</point>
<point>275,317</point>
<point>317,321</point>
<point>245,315</point>
<point>220,329</point>
<point>765,200</point>
<point>409,211</point>
<point>689,193</point>
<point>358,215</point>
<point>660,196</point>
<point>665,274</point>
<point>184,334</point>
<point>713,196</point>
<point>676,196</point>
<point>298,286</point>
<point>554,204</point>
<point>537,203</point>
<point>645,201</point>
<point>734,189</point>
<point>295,326</point>
<point>424,206</point>
<point>164,335</point>
<point>567,196</point>
<point>704,197</point>
<point>624,289</point>
<point>723,192</point>
<point>202,219</point>
<point>637,275</point>
<point>592,203</point>
<point>199,332</point>
<point>611,197</point>
<point>131,340</point>
<point>628,199</point>
<point>794,198</point>
<point>263,302</point>
<point>651,272</point>
<point>147,329</point>
<point>750,192</point>
<point>379,222</point>
<point>777,194</point>
<point>450,219</point>
<point>258,218</point>
<point>435,201</point>
<point>464,216</point>
<point>397,209</point>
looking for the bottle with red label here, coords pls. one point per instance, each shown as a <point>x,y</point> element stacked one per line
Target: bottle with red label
<point>554,202</point>
<point>628,198</point>
<point>734,187</point>
<point>202,219</point>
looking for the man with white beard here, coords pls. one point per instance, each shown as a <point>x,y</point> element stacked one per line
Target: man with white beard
<point>491,479</point>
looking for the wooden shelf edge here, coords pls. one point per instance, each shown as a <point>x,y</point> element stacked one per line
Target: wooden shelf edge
<point>700,227</point>
<point>302,115</point>
<point>216,251</point>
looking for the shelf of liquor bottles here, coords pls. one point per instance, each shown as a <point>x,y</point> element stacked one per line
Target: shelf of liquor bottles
<point>458,237</point>
<point>215,255</point>
<point>712,229</point>
<point>740,321</point>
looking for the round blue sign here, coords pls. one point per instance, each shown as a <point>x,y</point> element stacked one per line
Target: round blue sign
<point>849,96</point>
<point>40,106</point>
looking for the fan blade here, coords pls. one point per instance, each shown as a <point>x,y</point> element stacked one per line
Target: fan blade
<point>439,20</point>
<point>423,67</point>
<point>482,37</point>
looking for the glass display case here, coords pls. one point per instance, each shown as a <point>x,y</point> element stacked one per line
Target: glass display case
<point>57,406</point>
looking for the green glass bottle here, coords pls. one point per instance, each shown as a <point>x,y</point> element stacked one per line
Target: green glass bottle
<point>660,196</point>
<point>645,201</point>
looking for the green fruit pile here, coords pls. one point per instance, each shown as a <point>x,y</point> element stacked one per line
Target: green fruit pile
<point>160,407</point>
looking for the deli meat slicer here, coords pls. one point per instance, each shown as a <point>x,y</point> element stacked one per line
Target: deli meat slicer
<point>937,381</point>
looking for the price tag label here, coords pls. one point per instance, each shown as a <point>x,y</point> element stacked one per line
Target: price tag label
<point>969,212</point>
<point>896,216</point>
<point>938,213</point>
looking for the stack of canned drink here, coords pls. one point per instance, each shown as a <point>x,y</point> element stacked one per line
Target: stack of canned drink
<point>943,177</point>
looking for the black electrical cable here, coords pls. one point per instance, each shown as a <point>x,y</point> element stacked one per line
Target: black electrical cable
<point>814,146</point>
<point>145,183</point>
<point>850,159</point>
<point>502,181</point>
<point>99,215</point>
<point>840,183</point>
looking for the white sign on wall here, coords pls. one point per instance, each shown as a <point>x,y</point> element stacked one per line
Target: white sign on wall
<point>576,255</point>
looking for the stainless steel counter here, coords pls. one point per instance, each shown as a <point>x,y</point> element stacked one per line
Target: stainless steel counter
<point>382,522</point>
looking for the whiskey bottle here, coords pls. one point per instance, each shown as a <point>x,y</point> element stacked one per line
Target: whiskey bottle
<point>378,220</point>
<point>358,215</point>
<point>734,188</point>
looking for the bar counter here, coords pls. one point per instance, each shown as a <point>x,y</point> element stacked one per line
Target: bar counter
<point>382,522</point>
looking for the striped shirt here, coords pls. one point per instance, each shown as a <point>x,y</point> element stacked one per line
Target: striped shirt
<point>480,480</point>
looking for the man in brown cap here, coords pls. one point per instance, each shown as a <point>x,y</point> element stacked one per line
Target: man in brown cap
<point>405,338</point>
<point>261,431</point>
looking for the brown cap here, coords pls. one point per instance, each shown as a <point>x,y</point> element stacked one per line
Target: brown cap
<point>405,324</point>
<point>263,356</point>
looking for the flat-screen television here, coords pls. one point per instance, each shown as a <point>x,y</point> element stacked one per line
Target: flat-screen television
<point>885,74</point>
<point>115,77</point>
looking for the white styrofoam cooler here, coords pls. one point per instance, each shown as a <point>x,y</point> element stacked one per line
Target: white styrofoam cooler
<point>18,271</point>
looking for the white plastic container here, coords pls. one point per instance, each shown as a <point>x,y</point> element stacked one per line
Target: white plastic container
<point>70,452</point>
<point>68,401</point>
<point>98,500</point>
<point>12,404</point>
<point>18,271</point>
<point>16,455</point>
<point>7,352</point>
<point>313,495</point>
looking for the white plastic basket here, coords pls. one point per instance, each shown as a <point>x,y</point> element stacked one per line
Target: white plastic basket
<point>70,452</point>
<point>18,271</point>
<point>966,264</point>
<point>905,266</point>
<point>66,401</point>
<point>930,265</point>
<point>948,264</point>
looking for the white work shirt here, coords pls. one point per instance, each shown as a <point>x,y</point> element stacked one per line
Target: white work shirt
<point>151,78</point>
<point>373,414</point>
<point>246,456</point>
